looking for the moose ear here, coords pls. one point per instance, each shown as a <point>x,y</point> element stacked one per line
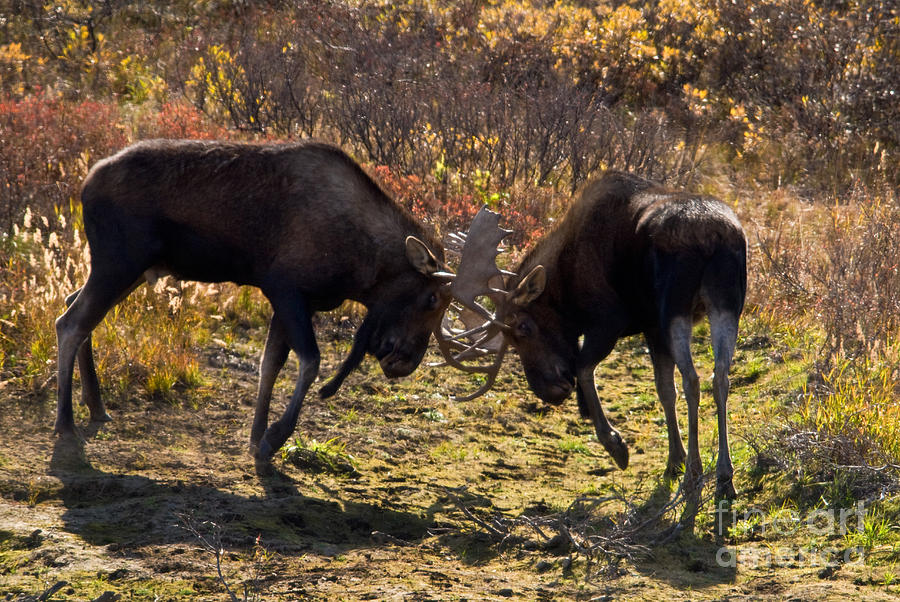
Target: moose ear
<point>420,256</point>
<point>531,287</point>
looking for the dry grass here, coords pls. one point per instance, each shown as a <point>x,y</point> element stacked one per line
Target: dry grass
<point>829,275</point>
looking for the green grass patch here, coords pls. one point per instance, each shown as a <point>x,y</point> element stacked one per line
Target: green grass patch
<point>456,452</point>
<point>574,446</point>
<point>328,457</point>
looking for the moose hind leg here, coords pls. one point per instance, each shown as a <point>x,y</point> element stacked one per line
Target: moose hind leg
<point>90,383</point>
<point>664,378</point>
<point>275,354</point>
<point>680,330</point>
<point>723,327</point>
<point>86,309</point>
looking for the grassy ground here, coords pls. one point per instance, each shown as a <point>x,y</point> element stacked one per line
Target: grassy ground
<point>392,488</point>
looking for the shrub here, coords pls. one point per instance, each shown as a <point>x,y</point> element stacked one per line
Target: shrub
<point>839,275</point>
<point>840,267</point>
<point>48,146</point>
<point>532,92</point>
<point>178,119</point>
<point>405,87</point>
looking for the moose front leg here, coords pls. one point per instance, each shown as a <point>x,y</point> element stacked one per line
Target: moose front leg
<point>296,321</point>
<point>353,359</point>
<point>608,436</point>
<point>593,350</point>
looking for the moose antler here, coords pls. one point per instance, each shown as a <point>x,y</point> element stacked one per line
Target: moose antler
<point>477,264</point>
<point>478,249</point>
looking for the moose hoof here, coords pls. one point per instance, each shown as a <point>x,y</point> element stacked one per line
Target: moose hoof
<point>65,430</point>
<point>673,471</point>
<point>617,448</point>
<point>101,417</point>
<point>328,389</point>
<point>263,468</point>
<point>274,437</point>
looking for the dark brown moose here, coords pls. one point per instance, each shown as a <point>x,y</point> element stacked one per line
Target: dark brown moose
<point>300,221</point>
<point>629,257</point>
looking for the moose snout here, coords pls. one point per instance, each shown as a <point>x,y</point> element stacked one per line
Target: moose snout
<point>386,348</point>
<point>563,374</point>
<point>557,385</point>
<point>395,359</point>
<point>398,364</point>
<point>556,393</point>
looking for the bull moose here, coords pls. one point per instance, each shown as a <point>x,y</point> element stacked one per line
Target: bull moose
<point>629,257</point>
<point>301,221</point>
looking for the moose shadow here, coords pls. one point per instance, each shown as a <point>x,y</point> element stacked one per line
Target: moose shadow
<point>128,512</point>
<point>683,557</point>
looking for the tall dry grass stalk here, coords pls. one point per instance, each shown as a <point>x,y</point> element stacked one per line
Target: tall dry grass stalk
<point>838,268</point>
<point>39,269</point>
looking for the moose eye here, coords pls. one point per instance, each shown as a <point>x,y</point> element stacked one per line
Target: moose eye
<point>433,301</point>
<point>524,329</point>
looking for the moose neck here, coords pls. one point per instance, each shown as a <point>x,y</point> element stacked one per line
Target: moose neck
<point>596,237</point>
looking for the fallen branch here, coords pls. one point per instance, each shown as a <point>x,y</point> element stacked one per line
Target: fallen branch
<point>628,534</point>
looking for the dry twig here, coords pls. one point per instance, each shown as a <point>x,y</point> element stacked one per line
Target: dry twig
<point>609,538</point>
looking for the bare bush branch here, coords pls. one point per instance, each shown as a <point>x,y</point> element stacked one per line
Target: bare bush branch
<point>597,528</point>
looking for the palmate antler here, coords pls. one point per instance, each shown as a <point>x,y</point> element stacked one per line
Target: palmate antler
<point>477,264</point>
<point>483,333</point>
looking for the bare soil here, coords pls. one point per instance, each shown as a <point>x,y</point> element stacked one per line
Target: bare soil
<point>125,512</point>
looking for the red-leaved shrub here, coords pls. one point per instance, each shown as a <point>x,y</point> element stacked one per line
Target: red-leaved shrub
<point>48,145</point>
